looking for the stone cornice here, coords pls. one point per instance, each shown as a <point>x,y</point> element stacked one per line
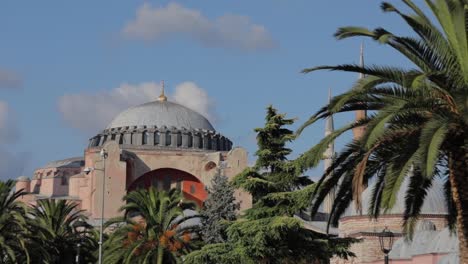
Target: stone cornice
<point>163,138</point>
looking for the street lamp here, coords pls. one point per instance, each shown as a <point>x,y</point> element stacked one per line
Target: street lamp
<point>386,242</point>
<point>103,154</point>
<point>79,227</point>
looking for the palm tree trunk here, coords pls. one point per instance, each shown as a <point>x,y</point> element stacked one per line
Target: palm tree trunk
<point>459,181</point>
<point>160,255</point>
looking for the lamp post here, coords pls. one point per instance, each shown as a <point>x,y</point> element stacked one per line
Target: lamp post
<point>386,242</point>
<point>103,155</point>
<point>87,170</point>
<point>79,227</point>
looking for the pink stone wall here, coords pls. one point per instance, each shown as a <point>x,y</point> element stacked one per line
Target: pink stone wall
<point>121,174</point>
<point>354,224</point>
<point>368,251</point>
<point>23,185</point>
<point>420,259</point>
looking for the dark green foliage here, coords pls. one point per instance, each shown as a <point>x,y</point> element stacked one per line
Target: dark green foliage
<point>272,172</point>
<point>53,239</point>
<point>271,141</point>
<point>12,225</point>
<point>153,229</point>
<point>418,129</point>
<point>219,207</point>
<point>269,232</point>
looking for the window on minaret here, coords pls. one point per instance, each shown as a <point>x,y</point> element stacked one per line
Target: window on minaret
<point>144,140</point>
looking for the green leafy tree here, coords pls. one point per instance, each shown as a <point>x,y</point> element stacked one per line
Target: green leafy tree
<point>269,232</point>
<point>219,207</point>
<point>53,237</point>
<point>12,225</point>
<point>154,229</point>
<point>418,128</point>
<point>272,172</point>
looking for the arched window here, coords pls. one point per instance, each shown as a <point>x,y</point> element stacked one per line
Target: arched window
<point>96,141</point>
<point>122,139</point>
<point>156,138</point>
<point>168,138</point>
<point>144,140</point>
<point>64,180</point>
<point>179,139</point>
<point>190,140</point>
<point>113,137</point>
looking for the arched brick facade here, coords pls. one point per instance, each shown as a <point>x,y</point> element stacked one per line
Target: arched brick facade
<point>168,178</point>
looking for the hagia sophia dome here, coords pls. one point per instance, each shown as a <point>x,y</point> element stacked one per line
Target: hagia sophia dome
<point>159,114</point>
<point>162,124</point>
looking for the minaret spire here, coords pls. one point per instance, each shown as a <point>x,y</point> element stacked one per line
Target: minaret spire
<point>358,132</point>
<point>361,60</point>
<point>329,127</point>
<point>328,160</point>
<point>162,97</point>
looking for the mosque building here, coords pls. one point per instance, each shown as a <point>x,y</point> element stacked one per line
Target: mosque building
<point>159,143</point>
<point>167,145</point>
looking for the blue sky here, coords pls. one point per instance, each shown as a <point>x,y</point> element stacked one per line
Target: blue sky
<point>64,66</point>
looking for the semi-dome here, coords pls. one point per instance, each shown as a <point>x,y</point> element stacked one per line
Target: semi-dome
<point>159,114</point>
<point>434,202</point>
<point>75,162</point>
<point>162,124</point>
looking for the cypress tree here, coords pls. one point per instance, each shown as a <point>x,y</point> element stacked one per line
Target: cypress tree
<point>270,232</point>
<point>219,207</point>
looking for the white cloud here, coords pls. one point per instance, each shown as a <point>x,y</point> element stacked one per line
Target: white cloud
<point>193,97</point>
<point>9,79</point>
<point>229,31</point>
<point>91,113</point>
<point>8,128</point>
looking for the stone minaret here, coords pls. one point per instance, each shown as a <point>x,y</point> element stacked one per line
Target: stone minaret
<point>328,159</point>
<point>358,132</point>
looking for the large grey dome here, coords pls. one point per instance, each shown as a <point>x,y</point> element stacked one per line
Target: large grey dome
<point>159,114</point>
<point>162,125</point>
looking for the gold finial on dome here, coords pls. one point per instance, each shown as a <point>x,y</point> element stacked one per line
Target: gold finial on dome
<point>162,97</point>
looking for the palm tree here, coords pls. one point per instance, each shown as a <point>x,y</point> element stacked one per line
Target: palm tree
<point>52,226</point>
<point>418,128</point>
<point>12,225</point>
<point>153,230</point>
